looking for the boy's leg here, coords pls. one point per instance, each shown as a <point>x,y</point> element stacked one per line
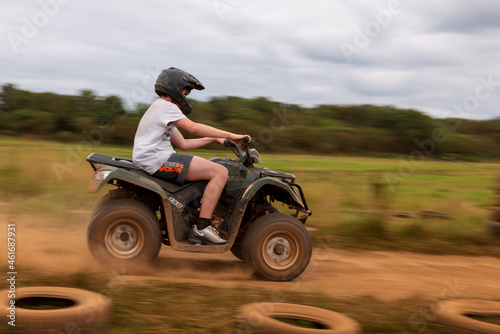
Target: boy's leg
<point>201,169</point>
<point>216,175</point>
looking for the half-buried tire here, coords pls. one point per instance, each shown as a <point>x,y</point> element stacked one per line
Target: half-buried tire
<point>44,309</point>
<point>263,318</point>
<point>456,313</point>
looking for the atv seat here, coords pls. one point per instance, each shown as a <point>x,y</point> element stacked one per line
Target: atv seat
<point>168,186</point>
<point>104,159</point>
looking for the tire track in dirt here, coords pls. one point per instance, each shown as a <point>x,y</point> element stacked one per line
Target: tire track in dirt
<point>342,273</point>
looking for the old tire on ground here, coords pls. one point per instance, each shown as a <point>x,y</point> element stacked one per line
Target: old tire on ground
<point>260,318</point>
<point>82,310</point>
<point>124,234</point>
<point>454,313</point>
<point>277,246</point>
<point>113,194</point>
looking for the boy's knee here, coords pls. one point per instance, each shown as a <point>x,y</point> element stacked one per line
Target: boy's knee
<point>219,171</point>
<point>223,171</point>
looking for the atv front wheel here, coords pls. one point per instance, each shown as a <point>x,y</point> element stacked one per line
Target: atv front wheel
<point>124,234</point>
<point>277,246</point>
<point>237,249</point>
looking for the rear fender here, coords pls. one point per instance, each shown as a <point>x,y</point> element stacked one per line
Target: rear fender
<point>106,174</point>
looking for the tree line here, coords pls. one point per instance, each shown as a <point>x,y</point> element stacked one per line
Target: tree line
<point>274,126</point>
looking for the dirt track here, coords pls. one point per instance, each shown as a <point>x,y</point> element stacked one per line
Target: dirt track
<point>338,273</point>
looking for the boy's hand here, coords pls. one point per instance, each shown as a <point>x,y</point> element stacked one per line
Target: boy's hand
<point>220,140</point>
<point>238,138</point>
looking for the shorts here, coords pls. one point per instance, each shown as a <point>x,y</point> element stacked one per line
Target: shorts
<point>175,169</point>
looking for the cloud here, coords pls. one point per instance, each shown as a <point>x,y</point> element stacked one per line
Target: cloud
<point>424,55</point>
<point>461,16</point>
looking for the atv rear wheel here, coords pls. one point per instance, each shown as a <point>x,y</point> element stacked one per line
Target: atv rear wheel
<point>277,246</point>
<point>112,195</point>
<point>124,234</point>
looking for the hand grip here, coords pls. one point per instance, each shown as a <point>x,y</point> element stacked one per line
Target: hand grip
<point>229,143</point>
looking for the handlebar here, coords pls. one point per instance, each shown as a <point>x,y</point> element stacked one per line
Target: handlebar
<point>242,149</point>
<point>233,146</point>
<point>244,142</point>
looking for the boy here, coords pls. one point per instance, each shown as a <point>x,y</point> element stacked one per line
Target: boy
<point>153,150</point>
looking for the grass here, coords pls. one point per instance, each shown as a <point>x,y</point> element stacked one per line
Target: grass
<point>350,197</point>
<point>160,307</point>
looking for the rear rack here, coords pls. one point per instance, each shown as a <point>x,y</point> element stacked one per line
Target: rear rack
<point>95,159</point>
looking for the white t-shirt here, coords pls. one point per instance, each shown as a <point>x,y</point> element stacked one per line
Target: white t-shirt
<point>152,146</point>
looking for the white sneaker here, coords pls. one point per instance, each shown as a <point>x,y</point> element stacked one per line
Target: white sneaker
<point>208,235</point>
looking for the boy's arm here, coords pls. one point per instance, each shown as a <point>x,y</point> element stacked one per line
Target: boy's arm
<point>203,130</point>
<point>189,144</point>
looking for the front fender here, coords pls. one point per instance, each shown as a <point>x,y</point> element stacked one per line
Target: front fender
<point>106,174</point>
<point>283,190</point>
<point>293,199</point>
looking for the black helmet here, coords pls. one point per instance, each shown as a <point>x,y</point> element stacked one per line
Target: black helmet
<point>172,82</point>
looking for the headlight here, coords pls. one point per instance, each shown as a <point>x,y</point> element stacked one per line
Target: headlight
<point>101,175</point>
<point>255,156</point>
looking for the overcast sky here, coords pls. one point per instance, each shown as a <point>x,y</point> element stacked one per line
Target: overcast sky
<point>440,57</point>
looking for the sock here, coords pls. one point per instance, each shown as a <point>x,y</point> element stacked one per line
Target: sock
<point>202,223</point>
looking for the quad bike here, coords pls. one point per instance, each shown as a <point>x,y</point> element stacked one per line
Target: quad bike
<point>130,223</point>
